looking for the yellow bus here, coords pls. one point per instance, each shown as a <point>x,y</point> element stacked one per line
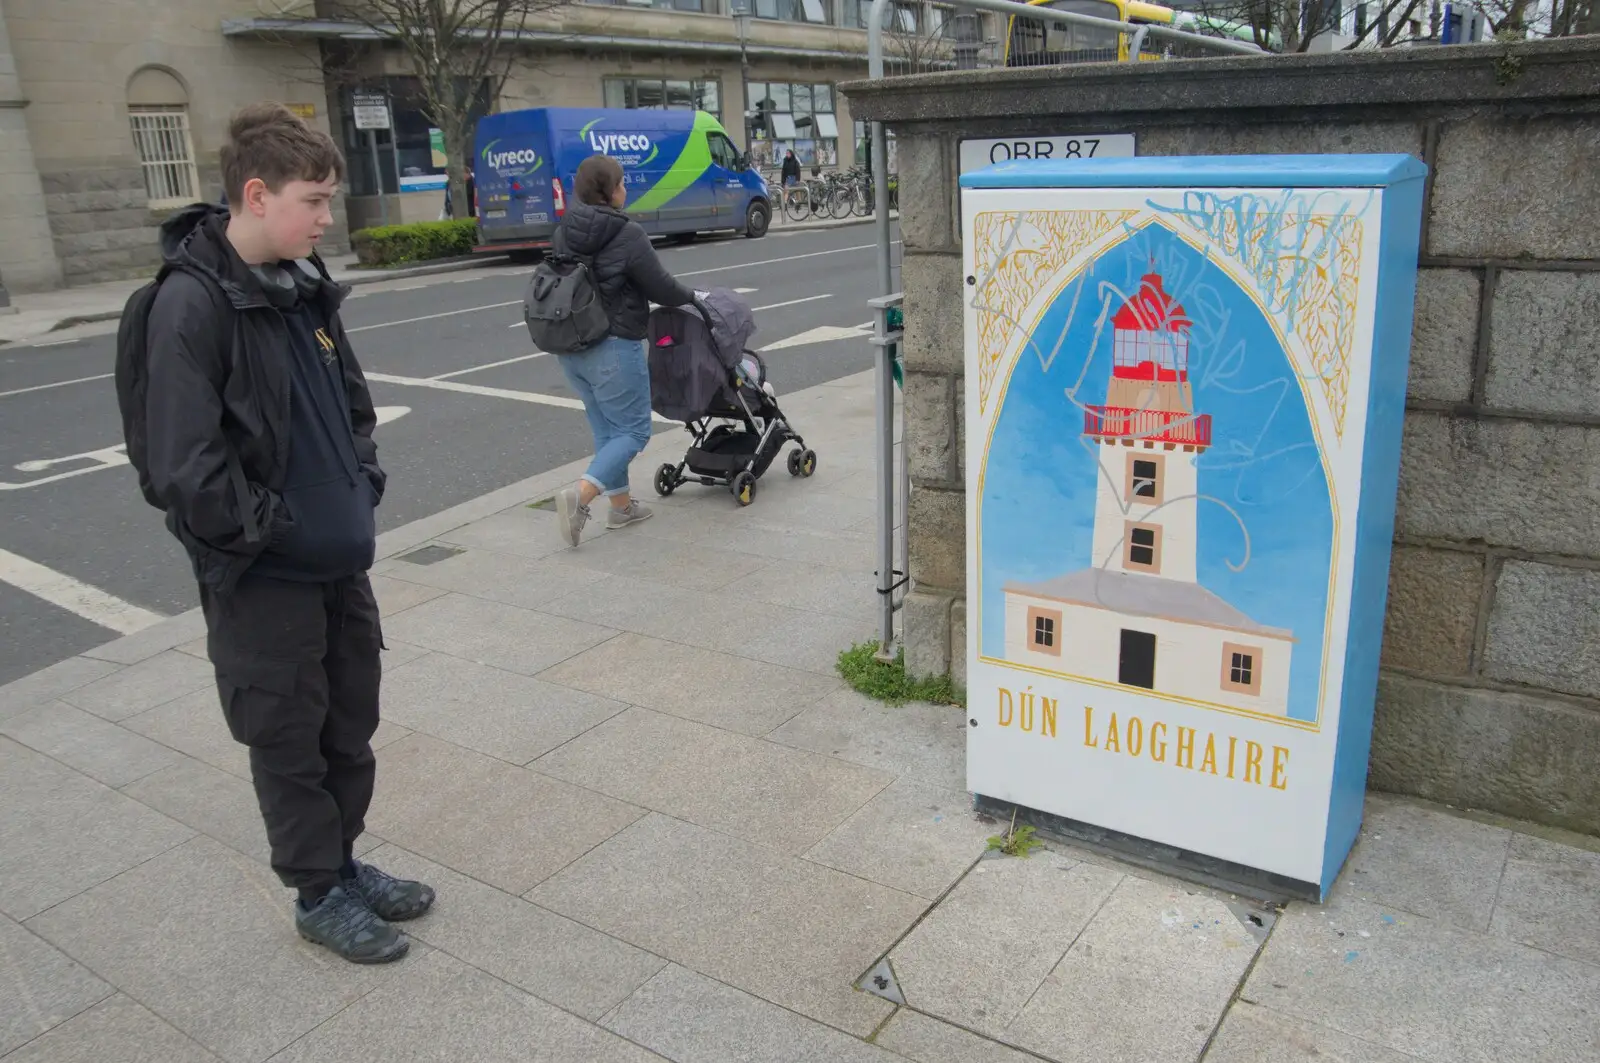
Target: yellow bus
<point>1037,42</point>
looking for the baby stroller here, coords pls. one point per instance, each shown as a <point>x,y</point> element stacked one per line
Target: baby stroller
<point>700,373</point>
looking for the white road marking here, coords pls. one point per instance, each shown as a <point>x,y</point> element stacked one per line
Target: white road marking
<point>491,365</point>
<point>104,458</point>
<point>387,414</point>
<point>408,288</point>
<point>793,302</point>
<point>773,261</point>
<point>820,334</point>
<point>431,317</point>
<point>492,393</point>
<point>58,589</point>
<point>57,384</point>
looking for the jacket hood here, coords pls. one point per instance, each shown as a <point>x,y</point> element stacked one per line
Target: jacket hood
<point>587,229</point>
<point>195,240</point>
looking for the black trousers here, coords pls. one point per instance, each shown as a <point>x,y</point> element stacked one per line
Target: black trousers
<point>298,673</point>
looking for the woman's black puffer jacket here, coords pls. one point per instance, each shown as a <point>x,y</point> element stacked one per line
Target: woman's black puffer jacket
<point>626,269</point>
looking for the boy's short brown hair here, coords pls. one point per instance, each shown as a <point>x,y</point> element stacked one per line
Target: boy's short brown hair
<point>269,141</point>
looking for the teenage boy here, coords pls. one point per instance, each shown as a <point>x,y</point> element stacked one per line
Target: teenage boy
<point>256,439</point>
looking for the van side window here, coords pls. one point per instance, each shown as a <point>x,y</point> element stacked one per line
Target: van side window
<point>723,153</point>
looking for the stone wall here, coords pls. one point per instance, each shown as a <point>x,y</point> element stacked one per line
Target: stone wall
<point>1490,694</point>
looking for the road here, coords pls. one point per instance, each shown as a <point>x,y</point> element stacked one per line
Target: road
<point>466,404</point>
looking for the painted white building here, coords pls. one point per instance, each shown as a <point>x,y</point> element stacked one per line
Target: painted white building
<point>1138,616</point>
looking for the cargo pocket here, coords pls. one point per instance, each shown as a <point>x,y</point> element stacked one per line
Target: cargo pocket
<point>257,698</point>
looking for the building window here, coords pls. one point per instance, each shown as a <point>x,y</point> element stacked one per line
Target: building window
<point>662,5</point>
<point>899,17</point>
<point>1146,474</point>
<point>793,115</point>
<point>158,118</point>
<point>1136,659</point>
<point>658,94</point>
<point>814,11</point>
<point>1241,668</point>
<point>1141,547</point>
<point>1044,631</point>
<point>166,152</point>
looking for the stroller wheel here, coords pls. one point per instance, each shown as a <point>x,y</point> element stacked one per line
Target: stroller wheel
<point>744,488</point>
<point>794,462</point>
<point>802,462</point>
<point>666,480</point>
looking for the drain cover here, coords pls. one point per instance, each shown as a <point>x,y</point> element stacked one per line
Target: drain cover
<point>429,555</point>
<point>880,981</point>
<point>1258,921</point>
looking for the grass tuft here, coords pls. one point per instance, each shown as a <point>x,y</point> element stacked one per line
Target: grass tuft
<point>889,683</point>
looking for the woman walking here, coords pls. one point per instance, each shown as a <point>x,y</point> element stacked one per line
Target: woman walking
<point>613,376</point>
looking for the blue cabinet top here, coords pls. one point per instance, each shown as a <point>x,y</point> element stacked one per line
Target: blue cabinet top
<point>1202,171</point>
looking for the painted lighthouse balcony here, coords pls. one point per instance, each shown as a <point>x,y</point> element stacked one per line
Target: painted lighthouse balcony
<point>1108,424</point>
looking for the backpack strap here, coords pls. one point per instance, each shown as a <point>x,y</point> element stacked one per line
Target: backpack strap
<point>227,320</point>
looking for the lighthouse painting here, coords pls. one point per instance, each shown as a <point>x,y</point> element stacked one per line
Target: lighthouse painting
<point>1183,397</point>
<point>1155,513</point>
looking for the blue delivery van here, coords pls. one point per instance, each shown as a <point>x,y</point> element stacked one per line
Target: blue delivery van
<point>682,171</point>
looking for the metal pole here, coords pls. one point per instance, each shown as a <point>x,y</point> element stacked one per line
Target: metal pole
<point>377,177</point>
<point>1137,44</point>
<point>883,377</point>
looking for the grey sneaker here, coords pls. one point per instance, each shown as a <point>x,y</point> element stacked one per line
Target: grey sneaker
<point>570,517</point>
<point>394,900</point>
<point>632,513</point>
<point>343,922</point>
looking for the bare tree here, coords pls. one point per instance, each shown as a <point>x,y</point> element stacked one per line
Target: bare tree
<point>460,51</point>
<point>1292,25</point>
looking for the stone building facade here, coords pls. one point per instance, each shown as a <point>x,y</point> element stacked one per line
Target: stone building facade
<point>1490,693</point>
<point>112,111</point>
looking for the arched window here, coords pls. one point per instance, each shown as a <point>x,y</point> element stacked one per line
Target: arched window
<point>158,114</point>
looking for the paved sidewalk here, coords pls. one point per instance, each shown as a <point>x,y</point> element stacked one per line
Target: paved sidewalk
<point>662,828</point>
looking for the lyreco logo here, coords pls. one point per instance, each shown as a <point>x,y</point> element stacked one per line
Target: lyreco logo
<point>613,143</point>
<point>504,160</point>
<point>617,143</point>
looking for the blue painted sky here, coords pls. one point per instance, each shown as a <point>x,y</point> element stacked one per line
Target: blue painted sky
<point>1039,492</point>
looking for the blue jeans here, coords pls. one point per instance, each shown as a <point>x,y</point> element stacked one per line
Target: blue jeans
<point>613,380</point>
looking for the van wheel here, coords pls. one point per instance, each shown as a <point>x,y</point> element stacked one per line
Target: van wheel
<point>756,220</point>
<point>523,256</point>
<point>683,238</point>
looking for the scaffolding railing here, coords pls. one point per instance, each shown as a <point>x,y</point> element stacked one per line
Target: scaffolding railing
<point>893,579</point>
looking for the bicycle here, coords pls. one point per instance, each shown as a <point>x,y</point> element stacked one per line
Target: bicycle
<point>802,200</point>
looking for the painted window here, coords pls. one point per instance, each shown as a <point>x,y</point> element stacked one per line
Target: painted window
<point>1241,668</point>
<point>1044,631</point>
<point>1141,547</point>
<point>1146,473</point>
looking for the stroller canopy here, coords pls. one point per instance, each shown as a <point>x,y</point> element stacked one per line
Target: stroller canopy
<point>691,352</point>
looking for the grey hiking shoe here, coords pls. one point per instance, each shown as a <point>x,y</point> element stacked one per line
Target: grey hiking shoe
<point>570,517</point>
<point>632,513</point>
<point>394,900</point>
<point>343,922</point>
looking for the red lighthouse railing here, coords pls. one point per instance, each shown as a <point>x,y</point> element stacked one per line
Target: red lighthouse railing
<point>1158,426</point>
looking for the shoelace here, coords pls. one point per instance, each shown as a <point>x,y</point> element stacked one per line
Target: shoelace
<point>351,915</point>
<point>369,880</point>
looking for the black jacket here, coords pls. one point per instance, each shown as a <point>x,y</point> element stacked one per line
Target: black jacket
<point>626,269</point>
<point>219,384</point>
<point>791,168</point>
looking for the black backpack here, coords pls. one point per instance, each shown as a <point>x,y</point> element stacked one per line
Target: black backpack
<point>133,388</point>
<point>563,308</point>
